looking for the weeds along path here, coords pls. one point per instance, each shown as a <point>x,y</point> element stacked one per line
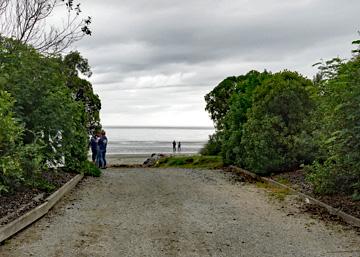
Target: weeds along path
<point>175,212</point>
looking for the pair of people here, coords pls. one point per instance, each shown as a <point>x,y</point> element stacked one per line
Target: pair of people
<point>174,146</point>
<point>98,144</point>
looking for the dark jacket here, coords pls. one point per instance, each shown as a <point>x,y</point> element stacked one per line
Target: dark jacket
<point>103,143</point>
<point>93,144</point>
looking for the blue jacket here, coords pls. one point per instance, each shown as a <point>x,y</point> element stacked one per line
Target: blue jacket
<point>93,144</point>
<point>103,143</point>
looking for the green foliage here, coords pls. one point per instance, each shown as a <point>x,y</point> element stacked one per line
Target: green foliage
<point>272,135</point>
<point>56,108</point>
<point>10,133</point>
<point>213,146</point>
<point>90,169</point>
<point>192,162</point>
<point>272,123</point>
<point>41,184</point>
<point>236,117</point>
<point>264,127</point>
<point>320,176</point>
<point>32,159</point>
<point>276,192</point>
<point>82,89</point>
<point>356,196</point>
<point>217,101</point>
<point>338,119</point>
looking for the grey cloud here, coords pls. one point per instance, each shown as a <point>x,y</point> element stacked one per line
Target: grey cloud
<point>137,41</point>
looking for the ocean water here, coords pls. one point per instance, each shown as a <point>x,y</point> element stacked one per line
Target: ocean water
<point>148,140</point>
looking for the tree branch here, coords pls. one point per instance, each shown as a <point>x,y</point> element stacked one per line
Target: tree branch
<point>30,22</point>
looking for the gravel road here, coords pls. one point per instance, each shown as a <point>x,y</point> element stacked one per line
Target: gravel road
<point>174,212</point>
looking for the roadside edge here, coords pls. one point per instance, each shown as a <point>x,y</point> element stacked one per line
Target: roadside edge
<point>10,229</point>
<point>308,199</point>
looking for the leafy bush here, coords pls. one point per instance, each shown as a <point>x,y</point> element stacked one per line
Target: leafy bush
<point>52,102</point>
<point>41,184</point>
<point>338,119</point>
<point>196,161</point>
<point>265,127</point>
<point>271,138</point>
<point>176,162</point>
<point>217,101</point>
<point>56,108</point>
<point>90,169</point>
<point>213,146</point>
<point>272,123</point>
<point>236,117</point>
<point>10,134</point>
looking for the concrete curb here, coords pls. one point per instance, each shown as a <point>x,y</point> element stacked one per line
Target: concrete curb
<point>8,230</point>
<point>308,199</point>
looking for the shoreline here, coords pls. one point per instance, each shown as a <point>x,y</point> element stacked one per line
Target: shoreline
<point>136,159</point>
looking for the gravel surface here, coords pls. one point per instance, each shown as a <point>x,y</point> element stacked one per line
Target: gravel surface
<point>173,212</point>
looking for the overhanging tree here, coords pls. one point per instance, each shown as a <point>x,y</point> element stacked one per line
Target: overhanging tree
<point>30,22</point>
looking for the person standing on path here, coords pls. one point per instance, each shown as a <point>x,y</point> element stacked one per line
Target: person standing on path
<point>93,146</point>
<point>98,161</point>
<point>179,146</point>
<point>174,146</point>
<point>102,147</point>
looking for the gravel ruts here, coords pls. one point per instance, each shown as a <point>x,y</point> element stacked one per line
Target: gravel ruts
<point>174,212</point>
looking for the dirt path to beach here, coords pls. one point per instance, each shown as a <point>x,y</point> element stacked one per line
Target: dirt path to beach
<point>173,212</point>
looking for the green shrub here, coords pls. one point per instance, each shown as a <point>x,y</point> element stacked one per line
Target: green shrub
<point>176,161</point>
<point>272,123</point>
<point>52,101</point>
<point>240,102</point>
<point>338,119</point>
<point>213,146</point>
<point>217,101</point>
<point>271,137</point>
<point>327,178</point>
<point>90,169</point>
<point>55,107</point>
<point>11,171</point>
<point>41,184</point>
<point>196,161</point>
<point>356,195</point>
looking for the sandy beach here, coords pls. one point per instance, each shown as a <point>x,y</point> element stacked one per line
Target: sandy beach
<point>130,159</point>
<point>133,159</point>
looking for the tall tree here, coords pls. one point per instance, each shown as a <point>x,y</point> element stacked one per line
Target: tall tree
<point>82,89</point>
<point>338,122</point>
<point>45,104</point>
<point>235,118</point>
<point>217,101</point>
<point>272,137</point>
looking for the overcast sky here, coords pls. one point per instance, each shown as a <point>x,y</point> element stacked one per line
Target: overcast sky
<point>154,60</point>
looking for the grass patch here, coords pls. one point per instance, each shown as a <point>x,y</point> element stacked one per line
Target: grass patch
<point>43,185</point>
<point>284,181</point>
<point>274,191</point>
<point>90,169</point>
<point>192,162</point>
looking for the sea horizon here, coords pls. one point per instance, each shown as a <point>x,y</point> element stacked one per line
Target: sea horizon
<point>156,139</point>
<point>158,127</point>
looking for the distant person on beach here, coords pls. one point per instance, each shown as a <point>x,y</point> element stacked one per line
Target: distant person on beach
<point>174,146</point>
<point>102,147</point>
<point>93,145</point>
<point>179,146</point>
<point>98,161</point>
